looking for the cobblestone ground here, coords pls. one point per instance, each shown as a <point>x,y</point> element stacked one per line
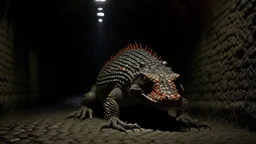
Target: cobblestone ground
<point>48,127</point>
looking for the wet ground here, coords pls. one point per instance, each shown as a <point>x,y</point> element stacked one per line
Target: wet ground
<point>47,126</point>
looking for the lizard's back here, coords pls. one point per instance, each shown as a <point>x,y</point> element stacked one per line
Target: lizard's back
<point>121,68</point>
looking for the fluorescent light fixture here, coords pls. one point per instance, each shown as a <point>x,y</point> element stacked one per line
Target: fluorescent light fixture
<point>101,14</point>
<point>100,9</point>
<point>100,20</point>
<point>100,0</point>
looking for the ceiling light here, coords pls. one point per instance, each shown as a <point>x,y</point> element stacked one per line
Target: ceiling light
<point>100,0</point>
<point>101,14</point>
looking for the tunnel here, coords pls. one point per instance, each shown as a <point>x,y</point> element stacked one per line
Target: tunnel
<point>51,53</point>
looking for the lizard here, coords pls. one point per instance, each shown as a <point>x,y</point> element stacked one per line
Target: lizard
<point>136,75</point>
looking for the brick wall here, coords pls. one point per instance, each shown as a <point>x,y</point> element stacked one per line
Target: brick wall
<point>222,79</point>
<point>18,66</point>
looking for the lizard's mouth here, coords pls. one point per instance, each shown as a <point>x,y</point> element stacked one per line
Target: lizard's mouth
<point>157,96</point>
<point>157,89</point>
<point>171,97</point>
<point>160,93</point>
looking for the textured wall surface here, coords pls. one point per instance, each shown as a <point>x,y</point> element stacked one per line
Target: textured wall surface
<point>17,76</point>
<point>223,69</point>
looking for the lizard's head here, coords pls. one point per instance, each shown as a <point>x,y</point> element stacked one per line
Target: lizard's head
<point>156,83</point>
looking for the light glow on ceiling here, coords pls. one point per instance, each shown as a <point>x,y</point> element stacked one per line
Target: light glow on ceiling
<point>100,14</point>
<point>100,0</point>
<point>100,20</point>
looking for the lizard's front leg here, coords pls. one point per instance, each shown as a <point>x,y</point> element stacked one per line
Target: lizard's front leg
<point>89,97</point>
<point>184,119</point>
<point>111,113</point>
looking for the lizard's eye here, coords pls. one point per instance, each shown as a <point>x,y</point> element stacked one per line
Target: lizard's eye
<point>164,63</point>
<point>144,77</point>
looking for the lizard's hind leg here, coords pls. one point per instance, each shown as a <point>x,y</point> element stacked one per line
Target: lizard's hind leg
<point>89,97</point>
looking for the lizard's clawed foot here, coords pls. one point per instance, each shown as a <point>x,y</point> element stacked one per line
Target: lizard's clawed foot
<point>187,121</point>
<point>81,113</point>
<point>117,124</point>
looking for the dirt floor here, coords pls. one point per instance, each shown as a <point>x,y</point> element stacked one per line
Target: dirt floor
<point>48,126</point>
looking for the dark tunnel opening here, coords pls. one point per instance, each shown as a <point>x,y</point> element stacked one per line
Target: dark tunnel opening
<point>52,51</point>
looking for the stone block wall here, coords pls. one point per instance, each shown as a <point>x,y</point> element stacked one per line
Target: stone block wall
<point>18,67</point>
<point>222,71</point>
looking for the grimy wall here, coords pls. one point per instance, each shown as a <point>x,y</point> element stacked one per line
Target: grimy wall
<point>18,69</point>
<point>222,72</point>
